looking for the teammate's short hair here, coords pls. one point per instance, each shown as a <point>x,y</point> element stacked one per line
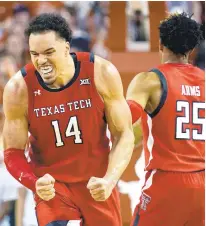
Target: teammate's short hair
<point>50,22</point>
<point>179,33</point>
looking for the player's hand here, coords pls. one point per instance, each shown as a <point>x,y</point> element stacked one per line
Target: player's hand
<point>100,189</point>
<point>45,187</point>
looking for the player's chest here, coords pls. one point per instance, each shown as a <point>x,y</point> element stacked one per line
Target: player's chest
<point>46,105</point>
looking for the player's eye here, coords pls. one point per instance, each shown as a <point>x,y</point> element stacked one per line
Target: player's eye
<point>49,53</point>
<point>34,54</point>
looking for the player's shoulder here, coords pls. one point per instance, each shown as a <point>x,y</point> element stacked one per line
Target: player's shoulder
<point>148,75</point>
<point>15,88</point>
<point>101,62</point>
<point>16,82</point>
<point>145,80</point>
<point>198,71</point>
<point>105,67</point>
<point>107,77</point>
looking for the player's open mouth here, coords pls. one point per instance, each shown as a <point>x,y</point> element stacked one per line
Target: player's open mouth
<point>46,70</point>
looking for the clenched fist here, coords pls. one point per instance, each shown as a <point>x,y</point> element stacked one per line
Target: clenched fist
<point>100,189</point>
<point>45,187</point>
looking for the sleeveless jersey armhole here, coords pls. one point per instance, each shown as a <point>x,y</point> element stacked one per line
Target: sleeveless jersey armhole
<point>164,92</point>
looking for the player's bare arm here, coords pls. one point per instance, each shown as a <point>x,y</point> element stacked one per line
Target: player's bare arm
<point>15,101</point>
<point>109,86</point>
<point>15,138</point>
<point>141,90</point>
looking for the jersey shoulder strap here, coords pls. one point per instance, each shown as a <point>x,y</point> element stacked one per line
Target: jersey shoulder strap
<point>84,56</point>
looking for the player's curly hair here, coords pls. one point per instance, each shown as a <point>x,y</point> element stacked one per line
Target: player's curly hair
<point>50,22</point>
<point>180,33</point>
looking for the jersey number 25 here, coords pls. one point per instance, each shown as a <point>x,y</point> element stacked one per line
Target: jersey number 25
<point>191,116</point>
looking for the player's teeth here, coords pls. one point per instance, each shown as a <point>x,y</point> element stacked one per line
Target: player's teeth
<point>46,69</point>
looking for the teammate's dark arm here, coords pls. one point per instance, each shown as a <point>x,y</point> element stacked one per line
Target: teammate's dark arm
<point>109,86</point>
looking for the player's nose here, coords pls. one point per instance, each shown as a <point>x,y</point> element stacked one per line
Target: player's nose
<point>41,60</point>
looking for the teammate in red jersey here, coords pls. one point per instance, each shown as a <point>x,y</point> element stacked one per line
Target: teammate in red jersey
<point>66,102</point>
<point>170,100</point>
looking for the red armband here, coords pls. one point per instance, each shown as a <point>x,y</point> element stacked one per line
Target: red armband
<point>19,168</point>
<point>136,110</point>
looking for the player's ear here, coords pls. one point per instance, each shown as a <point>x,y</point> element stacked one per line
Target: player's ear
<point>67,48</point>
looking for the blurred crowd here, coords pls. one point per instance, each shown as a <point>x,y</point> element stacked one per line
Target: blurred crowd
<point>90,23</point>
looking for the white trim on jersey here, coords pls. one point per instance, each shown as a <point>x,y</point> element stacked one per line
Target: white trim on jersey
<point>74,223</point>
<point>150,140</point>
<point>108,134</point>
<point>148,183</point>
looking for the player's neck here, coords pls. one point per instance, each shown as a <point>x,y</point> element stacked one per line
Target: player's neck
<point>67,72</point>
<point>174,59</point>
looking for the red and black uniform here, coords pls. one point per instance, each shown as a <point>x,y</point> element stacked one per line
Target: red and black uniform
<point>68,140</point>
<point>174,146</point>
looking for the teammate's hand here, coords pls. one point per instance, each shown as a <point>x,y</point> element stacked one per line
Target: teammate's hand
<point>100,189</point>
<point>45,187</point>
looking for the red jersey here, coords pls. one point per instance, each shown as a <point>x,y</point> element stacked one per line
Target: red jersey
<point>174,134</point>
<point>67,125</point>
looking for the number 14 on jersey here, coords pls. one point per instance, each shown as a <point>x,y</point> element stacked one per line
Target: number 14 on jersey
<point>72,130</point>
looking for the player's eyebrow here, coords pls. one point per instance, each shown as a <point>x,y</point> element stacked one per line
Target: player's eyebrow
<point>49,49</point>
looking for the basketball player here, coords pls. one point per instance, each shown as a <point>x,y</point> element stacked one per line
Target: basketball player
<point>170,99</point>
<point>66,101</point>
